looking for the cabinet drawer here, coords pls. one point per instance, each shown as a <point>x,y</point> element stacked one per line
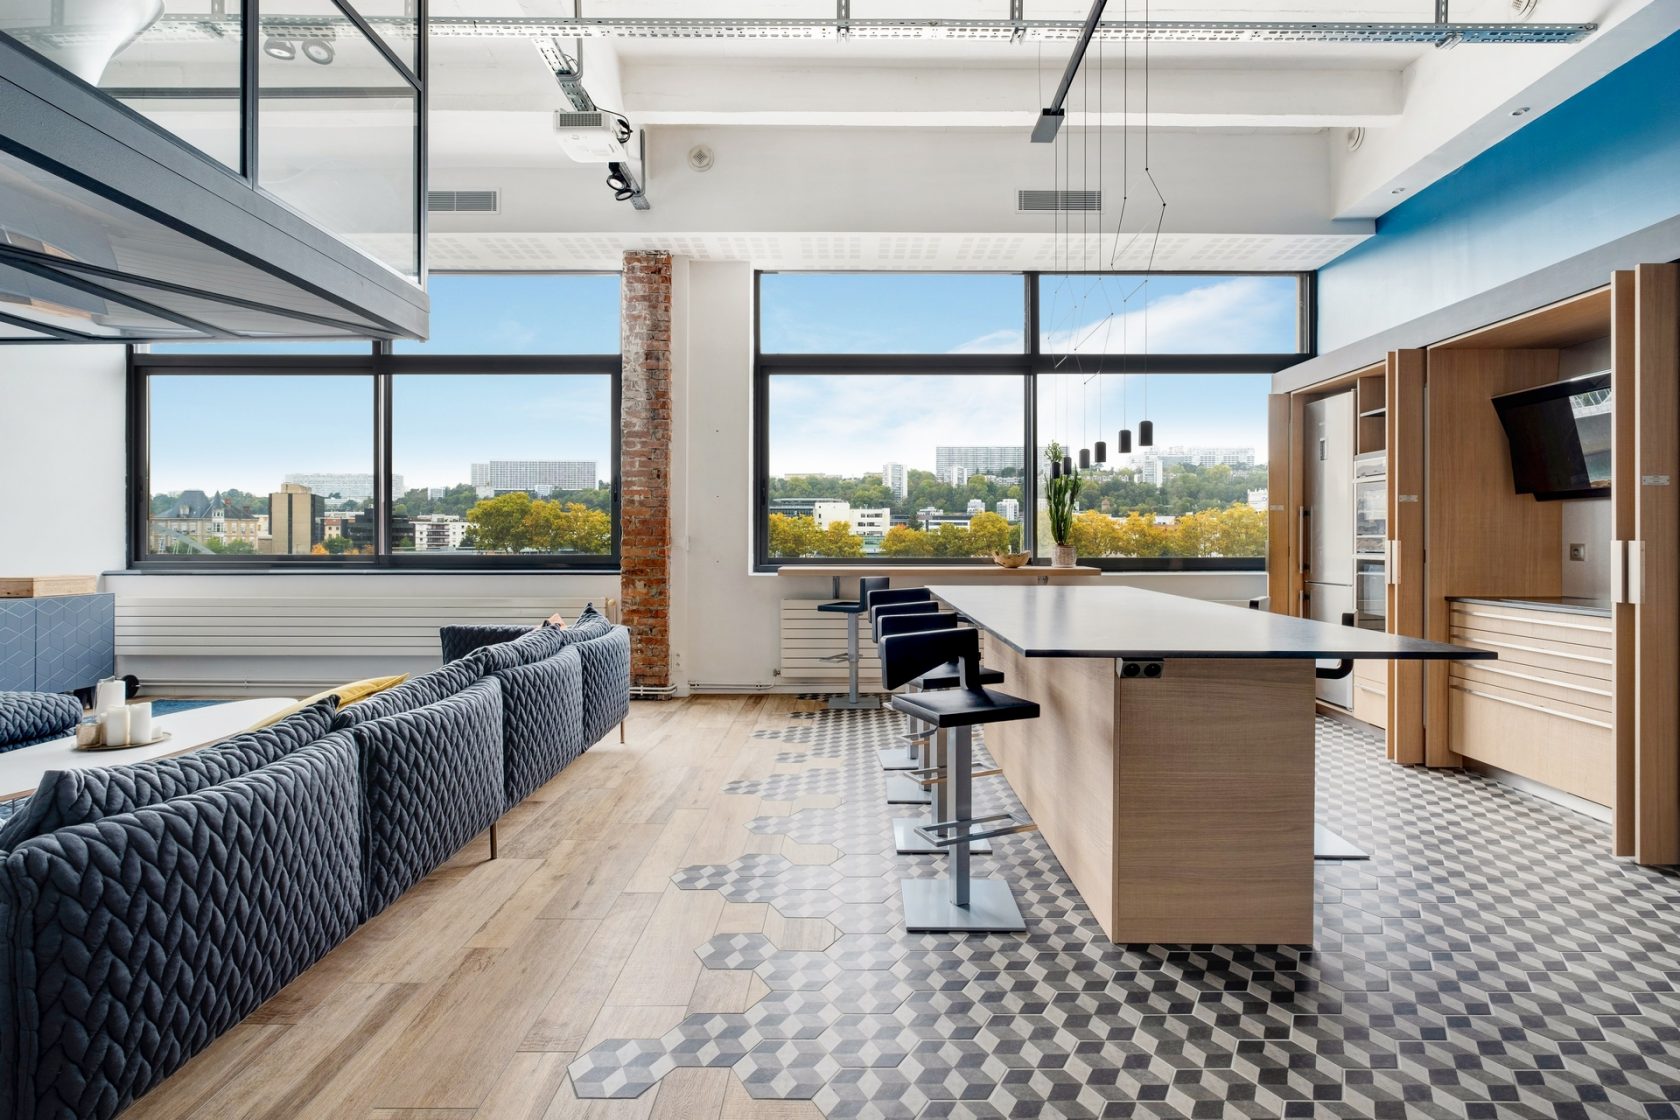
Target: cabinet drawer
<point>1550,743</point>
<point>1545,686</point>
<point>1372,672</point>
<point>1538,653</point>
<point>1370,703</point>
<point>1568,630</point>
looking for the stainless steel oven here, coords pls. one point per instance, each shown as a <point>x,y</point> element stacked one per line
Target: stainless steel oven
<point>1370,593</point>
<point>1370,505</point>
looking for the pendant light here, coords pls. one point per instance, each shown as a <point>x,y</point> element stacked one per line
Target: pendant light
<point>1125,441</point>
<point>1067,464</point>
<point>1084,458</point>
<point>1101,454</point>
<point>1055,468</point>
<point>1146,433</point>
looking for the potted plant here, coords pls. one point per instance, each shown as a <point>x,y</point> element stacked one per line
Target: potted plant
<point>1061,491</point>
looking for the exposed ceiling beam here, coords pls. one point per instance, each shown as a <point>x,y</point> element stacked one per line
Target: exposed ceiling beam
<point>1050,118</point>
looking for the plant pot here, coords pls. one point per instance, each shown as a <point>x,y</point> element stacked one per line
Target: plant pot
<point>1063,556</point>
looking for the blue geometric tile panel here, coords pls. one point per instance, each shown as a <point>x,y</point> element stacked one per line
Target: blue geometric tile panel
<point>17,645</point>
<point>75,641</point>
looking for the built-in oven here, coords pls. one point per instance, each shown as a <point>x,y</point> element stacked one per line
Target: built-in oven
<point>1370,505</point>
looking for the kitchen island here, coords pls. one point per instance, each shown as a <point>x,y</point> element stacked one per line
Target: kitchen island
<point>1171,768</point>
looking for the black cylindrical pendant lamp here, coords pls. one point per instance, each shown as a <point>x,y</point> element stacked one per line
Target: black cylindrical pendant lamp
<point>1101,455</point>
<point>1055,468</point>
<point>1067,464</point>
<point>1084,458</point>
<point>1146,433</point>
<point>1125,441</point>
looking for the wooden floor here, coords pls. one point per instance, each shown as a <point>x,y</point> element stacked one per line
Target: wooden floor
<point>467,999</point>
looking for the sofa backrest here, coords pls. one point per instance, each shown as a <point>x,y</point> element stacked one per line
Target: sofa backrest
<point>431,781</point>
<point>68,797</point>
<point>416,692</point>
<point>542,721</point>
<point>133,941</point>
<point>606,682</point>
<point>460,640</point>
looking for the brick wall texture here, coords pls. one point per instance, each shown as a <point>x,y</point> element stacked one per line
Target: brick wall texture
<point>645,466</point>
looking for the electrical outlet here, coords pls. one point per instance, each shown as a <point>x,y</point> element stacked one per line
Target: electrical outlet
<point>1577,552</point>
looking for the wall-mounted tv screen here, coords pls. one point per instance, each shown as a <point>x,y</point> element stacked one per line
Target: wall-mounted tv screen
<point>1560,438</point>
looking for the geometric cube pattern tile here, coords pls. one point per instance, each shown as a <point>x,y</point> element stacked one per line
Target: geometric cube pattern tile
<point>1488,961</point>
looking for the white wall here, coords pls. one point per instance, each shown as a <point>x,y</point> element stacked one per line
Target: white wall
<point>63,459</point>
<point>726,619</point>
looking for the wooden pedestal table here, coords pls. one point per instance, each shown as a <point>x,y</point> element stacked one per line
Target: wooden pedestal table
<point>1171,768</point>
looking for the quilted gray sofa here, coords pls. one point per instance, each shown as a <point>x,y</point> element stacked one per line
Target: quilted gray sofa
<point>27,718</point>
<point>147,909</point>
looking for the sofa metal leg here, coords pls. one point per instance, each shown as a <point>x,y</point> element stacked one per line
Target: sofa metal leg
<point>621,731</point>
<point>493,840</point>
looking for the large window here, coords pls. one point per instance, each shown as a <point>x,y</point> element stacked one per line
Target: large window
<point>904,417</point>
<point>500,450</point>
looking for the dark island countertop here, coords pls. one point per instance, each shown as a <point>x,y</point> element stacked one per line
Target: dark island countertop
<point>1128,623</point>
<point>1563,604</point>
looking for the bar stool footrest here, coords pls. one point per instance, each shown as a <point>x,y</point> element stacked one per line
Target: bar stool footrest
<point>908,842</point>
<point>926,831</point>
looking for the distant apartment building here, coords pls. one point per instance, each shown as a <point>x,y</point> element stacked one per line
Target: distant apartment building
<point>339,487</point>
<point>1009,509</point>
<point>864,522</point>
<point>978,460</point>
<point>433,493</point>
<point>296,520</point>
<point>896,479</point>
<point>438,532</point>
<point>976,505</point>
<point>797,507</point>
<point>1155,463</point>
<point>1259,499</point>
<point>196,518</point>
<point>956,475</point>
<point>534,476</point>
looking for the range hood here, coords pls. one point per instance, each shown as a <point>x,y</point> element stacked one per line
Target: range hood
<point>114,230</point>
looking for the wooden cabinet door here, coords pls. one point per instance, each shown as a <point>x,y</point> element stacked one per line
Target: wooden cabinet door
<point>1282,565</point>
<point>1652,573</point>
<point>1405,404</point>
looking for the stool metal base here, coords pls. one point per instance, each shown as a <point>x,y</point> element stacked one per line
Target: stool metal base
<point>906,791</point>
<point>898,758</point>
<point>991,907</point>
<point>854,704</point>
<point>909,842</point>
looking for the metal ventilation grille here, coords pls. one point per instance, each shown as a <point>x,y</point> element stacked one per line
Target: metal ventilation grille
<point>579,120</point>
<point>462,202</point>
<point>1058,200</point>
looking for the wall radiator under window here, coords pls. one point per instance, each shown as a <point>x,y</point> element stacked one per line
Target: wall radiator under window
<point>811,637</point>
<point>237,645</point>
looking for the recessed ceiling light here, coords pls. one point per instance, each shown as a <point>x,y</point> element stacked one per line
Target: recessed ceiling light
<point>282,49</point>
<point>1520,111</point>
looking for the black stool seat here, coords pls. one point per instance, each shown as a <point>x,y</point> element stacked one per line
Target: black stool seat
<point>949,675</point>
<point>958,707</point>
<point>841,608</point>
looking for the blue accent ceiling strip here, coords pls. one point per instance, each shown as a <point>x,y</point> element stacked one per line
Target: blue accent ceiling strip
<point>1604,164</point>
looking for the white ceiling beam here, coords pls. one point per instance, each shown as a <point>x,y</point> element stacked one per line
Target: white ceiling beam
<point>689,92</point>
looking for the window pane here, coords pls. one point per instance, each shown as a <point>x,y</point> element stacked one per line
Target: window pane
<point>891,313</point>
<point>894,466</point>
<point>1105,314</point>
<point>528,313</point>
<point>337,128</point>
<point>397,23</point>
<point>147,57</point>
<point>261,465</point>
<point>1199,491</point>
<point>491,463</point>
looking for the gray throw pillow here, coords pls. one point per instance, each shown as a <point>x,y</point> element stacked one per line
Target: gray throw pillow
<point>68,797</point>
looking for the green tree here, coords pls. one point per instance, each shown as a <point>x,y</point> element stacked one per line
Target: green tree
<point>839,541</point>
<point>570,527</point>
<point>500,522</point>
<point>901,540</point>
<point>988,533</point>
<point>792,536</point>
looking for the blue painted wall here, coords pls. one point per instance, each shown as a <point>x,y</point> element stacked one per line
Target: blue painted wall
<point>1604,164</point>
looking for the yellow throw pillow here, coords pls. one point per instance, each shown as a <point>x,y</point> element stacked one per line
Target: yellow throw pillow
<point>347,694</point>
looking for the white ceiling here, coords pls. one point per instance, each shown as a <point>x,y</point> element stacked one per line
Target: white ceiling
<point>907,153</point>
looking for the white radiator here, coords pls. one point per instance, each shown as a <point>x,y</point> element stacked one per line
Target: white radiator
<point>249,642</point>
<point>809,636</point>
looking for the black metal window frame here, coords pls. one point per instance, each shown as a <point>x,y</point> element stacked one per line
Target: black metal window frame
<point>380,366</point>
<point>1028,365</point>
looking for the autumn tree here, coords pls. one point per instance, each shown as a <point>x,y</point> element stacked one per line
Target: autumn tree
<point>500,522</point>
<point>987,533</point>
<point>901,540</point>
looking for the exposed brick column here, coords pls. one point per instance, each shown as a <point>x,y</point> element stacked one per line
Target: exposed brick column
<point>645,466</point>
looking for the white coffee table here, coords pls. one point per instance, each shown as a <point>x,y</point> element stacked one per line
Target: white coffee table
<point>21,770</point>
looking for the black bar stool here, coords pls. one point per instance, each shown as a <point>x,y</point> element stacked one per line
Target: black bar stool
<point>959,903</point>
<point>866,586</point>
<point>892,603</point>
<point>929,775</point>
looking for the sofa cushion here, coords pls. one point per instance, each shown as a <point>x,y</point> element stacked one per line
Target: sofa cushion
<point>590,624</point>
<point>431,781</point>
<point>531,646</point>
<point>135,940</point>
<point>542,721</point>
<point>428,688</point>
<point>606,682</point>
<point>458,641</point>
<point>71,797</point>
<point>35,717</point>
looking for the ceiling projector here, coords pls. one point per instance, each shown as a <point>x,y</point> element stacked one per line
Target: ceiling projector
<point>592,137</point>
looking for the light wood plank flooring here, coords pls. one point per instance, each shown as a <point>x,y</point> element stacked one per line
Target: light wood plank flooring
<point>468,998</point>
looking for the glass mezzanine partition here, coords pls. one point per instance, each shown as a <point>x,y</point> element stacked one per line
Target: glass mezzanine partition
<point>318,103</point>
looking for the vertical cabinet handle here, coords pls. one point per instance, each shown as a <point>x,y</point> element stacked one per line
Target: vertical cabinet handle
<point>1635,586</point>
<point>1393,561</point>
<point>1618,571</point>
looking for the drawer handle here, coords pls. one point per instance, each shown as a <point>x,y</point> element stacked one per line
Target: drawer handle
<point>1532,621</point>
<point>1503,672</point>
<point>1533,707</point>
<point>1476,640</point>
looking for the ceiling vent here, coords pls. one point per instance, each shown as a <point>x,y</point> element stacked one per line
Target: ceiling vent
<point>463,202</point>
<point>1058,200</point>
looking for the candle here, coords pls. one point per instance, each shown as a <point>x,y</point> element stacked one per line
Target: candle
<point>109,694</point>
<point>116,727</point>
<point>140,723</point>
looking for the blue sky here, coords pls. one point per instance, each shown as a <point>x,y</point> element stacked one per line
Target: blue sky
<point>215,432</point>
